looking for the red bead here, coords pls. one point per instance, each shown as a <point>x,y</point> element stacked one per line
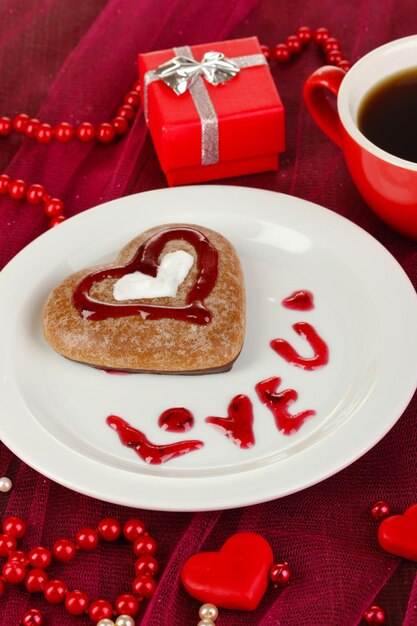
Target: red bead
<point>344,65</point>
<point>126,111</point>
<point>43,133</point>
<point>144,545</point>
<point>105,132</point>
<point>35,580</point>
<point>31,126</point>
<point>334,57</point>
<point>32,617</point>
<point>87,539</point>
<point>40,557</point>
<point>64,550</point>
<point>64,132</point>
<point>374,615</point>
<point>120,124</point>
<point>144,586</point>
<point>380,510</point>
<point>132,98</point>
<point>20,121</point>
<point>35,194</point>
<point>56,220</point>
<point>13,572</point>
<point>330,44</point>
<point>7,544</point>
<point>19,556</point>
<point>281,53</point>
<point>280,574</point>
<point>109,529</point>
<point>146,564</point>
<point>100,609</point>
<point>133,528</point>
<point>5,126</point>
<point>126,604</point>
<point>76,602</point>
<point>293,44</point>
<point>86,131</point>
<point>321,35</point>
<point>53,207</point>
<point>55,591</point>
<point>4,184</point>
<point>14,526</point>
<point>266,51</point>
<point>304,34</point>
<point>137,86</point>
<point>17,189</point>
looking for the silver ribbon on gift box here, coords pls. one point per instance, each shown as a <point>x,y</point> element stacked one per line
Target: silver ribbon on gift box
<point>183,73</point>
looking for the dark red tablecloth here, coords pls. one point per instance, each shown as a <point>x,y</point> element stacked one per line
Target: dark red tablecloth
<point>68,60</point>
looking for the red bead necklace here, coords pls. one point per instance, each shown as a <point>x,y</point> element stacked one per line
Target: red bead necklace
<point>29,568</point>
<point>120,124</point>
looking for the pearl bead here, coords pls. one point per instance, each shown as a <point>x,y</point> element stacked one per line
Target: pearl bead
<point>133,528</point>
<point>105,622</point>
<point>125,620</point>
<point>281,53</point>
<point>14,526</point>
<point>5,484</point>
<point>374,615</point>
<point>208,611</point>
<point>380,510</point>
<point>56,220</point>
<point>5,126</point>
<point>205,622</point>
<point>32,617</point>
<point>105,132</point>
<point>280,574</point>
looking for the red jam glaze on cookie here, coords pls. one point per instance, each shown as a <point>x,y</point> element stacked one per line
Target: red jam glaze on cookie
<point>146,261</point>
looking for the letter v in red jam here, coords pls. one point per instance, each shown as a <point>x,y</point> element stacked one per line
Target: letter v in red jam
<point>146,262</point>
<point>319,346</point>
<point>149,452</point>
<point>278,403</point>
<point>238,425</point>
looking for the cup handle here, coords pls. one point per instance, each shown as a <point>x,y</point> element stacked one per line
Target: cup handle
<point>321,110</point>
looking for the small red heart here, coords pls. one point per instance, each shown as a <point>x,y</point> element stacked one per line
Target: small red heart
<point>398,534</point>
<point>236,577</point>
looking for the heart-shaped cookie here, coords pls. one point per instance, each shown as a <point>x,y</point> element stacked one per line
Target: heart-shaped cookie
<point>198,330</point>
<point>398,534</point>
<point>234,578</point>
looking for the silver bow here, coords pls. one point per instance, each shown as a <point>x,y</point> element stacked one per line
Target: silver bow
<point>181,72</point>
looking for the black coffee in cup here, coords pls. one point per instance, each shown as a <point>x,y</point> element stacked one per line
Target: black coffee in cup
<point>388,114</point>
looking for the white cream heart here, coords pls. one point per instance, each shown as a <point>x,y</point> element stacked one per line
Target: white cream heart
<point>172,272</point>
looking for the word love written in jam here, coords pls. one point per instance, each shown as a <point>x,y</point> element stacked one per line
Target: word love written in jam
<point>238,425</point>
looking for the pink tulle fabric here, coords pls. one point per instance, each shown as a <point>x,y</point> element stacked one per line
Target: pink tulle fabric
<point>66,60</point>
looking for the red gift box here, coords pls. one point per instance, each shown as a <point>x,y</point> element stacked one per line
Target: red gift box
<point>249,116</point>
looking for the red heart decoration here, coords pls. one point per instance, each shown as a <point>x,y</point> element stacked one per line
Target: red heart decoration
<point>398,534</point>
<point>146,261</point>
<point>234,578</point>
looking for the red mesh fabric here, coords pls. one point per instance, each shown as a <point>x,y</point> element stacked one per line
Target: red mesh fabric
<point>65,60</point>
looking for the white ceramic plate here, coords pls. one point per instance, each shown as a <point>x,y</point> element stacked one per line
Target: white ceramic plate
<point>53,411</point>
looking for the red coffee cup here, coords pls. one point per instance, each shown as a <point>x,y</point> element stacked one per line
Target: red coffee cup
<point>386,182</point>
